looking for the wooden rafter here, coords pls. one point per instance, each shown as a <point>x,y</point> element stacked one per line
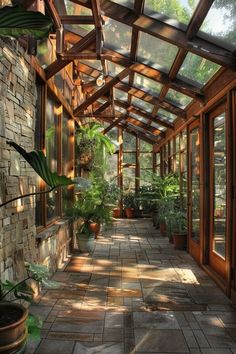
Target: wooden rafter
<point>198,17</point>
<point>113,124</point>
<point>77,20</point>
<point>58,64</point>
<point>101,91</point>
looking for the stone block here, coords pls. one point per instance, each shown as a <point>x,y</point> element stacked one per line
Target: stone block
<point>15,164</point>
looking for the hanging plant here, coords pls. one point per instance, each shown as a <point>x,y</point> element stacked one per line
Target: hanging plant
<point>89,139</point>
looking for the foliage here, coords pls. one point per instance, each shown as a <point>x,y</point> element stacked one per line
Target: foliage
<point>90,140</point>
<point>15,21</point>
<point>129,200</point>
<point>10,291</point>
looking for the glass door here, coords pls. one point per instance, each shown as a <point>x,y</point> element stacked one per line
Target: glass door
<point>194,190</point>
<point>218,200</point>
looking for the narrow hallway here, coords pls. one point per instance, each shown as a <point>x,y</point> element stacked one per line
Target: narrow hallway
<point>135,294</point>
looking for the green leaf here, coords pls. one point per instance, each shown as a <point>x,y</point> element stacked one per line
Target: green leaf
<point>34,325</point>
<point>15,21</point>
<point>37,161</point>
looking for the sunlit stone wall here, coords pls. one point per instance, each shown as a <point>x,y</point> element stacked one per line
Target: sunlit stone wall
<point>17,123</point>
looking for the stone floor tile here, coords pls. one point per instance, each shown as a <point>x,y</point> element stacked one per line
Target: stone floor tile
<point>48,346</point>
<point>150,340</point>
<point>155,320</point>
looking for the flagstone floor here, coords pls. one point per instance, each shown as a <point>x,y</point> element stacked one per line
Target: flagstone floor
<point>135,294</point>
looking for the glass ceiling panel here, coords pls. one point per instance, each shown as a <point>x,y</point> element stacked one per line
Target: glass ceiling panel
<point>158,126</point>
<point>115,69</point>
<point>120,95</point>
<point>69,8</point>
<point>162,113</point>
<point>197,69</point>
<point>120,109</point>
<point>178,98</point>
<point>95,64</point>
<point>180,10</point>
<point>155,52</point>
<point>126,3</point>
<point>147,85</point>
<point>137,116</point>
<point>145,106</point>
<point>117,36</point>
<point>220,21</point>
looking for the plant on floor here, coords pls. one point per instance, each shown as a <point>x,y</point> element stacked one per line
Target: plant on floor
<point>15,323</point>
<point>130,203</point>
<point>90,140</point>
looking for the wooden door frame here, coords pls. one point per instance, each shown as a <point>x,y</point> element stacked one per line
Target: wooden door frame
<point>193,247</point>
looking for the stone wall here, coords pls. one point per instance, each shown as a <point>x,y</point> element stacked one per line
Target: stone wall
<point>18,98</point>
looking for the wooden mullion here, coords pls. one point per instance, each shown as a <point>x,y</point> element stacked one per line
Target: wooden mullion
<point>102,108</point>
<point>198,17</point>
<point>113,124</point>
<point>77,20</point>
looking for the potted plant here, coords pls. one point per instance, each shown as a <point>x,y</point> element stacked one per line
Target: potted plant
<point>15,321</point>
<point>89,140</point>
<point>85,238</point>
<point>129,202</point>
<point>178,226</point>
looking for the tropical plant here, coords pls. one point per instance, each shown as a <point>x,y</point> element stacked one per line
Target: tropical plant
<point>15,21</point>
<point>129,200</point>
<point>10,291</point>
<point>37,161</point>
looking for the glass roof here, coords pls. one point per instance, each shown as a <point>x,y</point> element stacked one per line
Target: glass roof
<point>145,106</point>
<point>95,64</point>
<point>147,85</point>
<point>180,10</point>
<point>197,69</point>
<point>162,113</point>
<point>115,69</point>
<point>120,95</point>
<point>220,21</point>
<point>138,117</point>
<point>120,109</point>
<point>178,98</point>
<point>158,126</point>
<point>117,36</point>
<point>126,3</point>
<point>156,53</point>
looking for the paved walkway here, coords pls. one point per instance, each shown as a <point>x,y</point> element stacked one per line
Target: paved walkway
<point>135,294</point>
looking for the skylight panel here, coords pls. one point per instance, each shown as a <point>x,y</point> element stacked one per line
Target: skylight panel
<point>155,52</point>
<point>181,10</point>
<point>115,69</point>
<point>197,69</point>
<point>120,95</point>
<point>147,85</point>
<point>126,3</point>
<point>145,106</point>
<point>117,36</point>
<point>178,98</point>
<point>162,113</point>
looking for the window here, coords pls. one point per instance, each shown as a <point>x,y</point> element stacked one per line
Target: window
<point>146,163</point>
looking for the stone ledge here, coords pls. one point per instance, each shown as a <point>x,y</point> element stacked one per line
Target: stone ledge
<point>52,230</point>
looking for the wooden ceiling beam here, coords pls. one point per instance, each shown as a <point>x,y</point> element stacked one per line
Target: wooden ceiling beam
<point>58,64</point>
<point>113,124</point>
<point>103,107</point>
<point>101,91</point>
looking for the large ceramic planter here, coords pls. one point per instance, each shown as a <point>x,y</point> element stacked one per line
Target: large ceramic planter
<point>163,228</point>
<point>180,240</point>
<point>85,242</point>
<point>13,330</point>
<point>129,212</point>
<point>95,227</point>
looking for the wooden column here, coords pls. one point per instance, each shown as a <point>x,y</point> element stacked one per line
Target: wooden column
<point>137,169</point>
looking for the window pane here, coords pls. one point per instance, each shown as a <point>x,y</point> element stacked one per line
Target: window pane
<point>117,36</point>
<point>129,142</point>
<point>158,126</point>
<point>145,177</point>
<point>126,3</point>
<point>145,106</point>
<point>162,58</point>
<point>96,64</point>
<point>181,10</point>
<point>115,69</point>
<point>145,160</point>
<point>44,52</point>
<point>136,116</point>
<point>51,152</point>
<point>220,21</point>
<point>147,85</point>
<point>120,95</point>
<point>145,147</point>
<point>111,167</point>
<point>198,69</point>
<point>162,113</point>
<point>129,158</point>
<point>128,178</point>
<point>178,98</point>
<point>219,185</point>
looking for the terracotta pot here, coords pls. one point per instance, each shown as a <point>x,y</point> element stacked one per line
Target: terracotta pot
<point>117,213</point>
<point>13,335</point>
<point>95,227</point>
<point>129,212</point>
<point>180,240</point>
<point>162,228</point>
